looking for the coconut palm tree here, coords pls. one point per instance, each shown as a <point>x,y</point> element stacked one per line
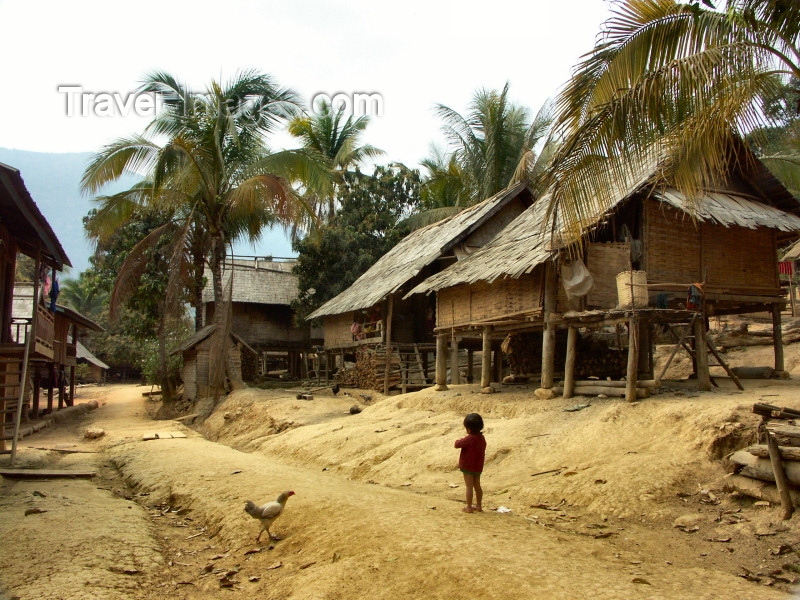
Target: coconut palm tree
<point>208,166</point>
<point>335,141</point>
<point>82,295</point>
<point>496,144</point>
<point>668,83</point>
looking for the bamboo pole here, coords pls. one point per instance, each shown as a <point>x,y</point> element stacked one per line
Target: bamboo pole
<point>780,476</point>
<point>569,364</point>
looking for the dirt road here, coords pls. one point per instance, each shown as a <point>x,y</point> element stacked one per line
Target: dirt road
<point>164,519</point>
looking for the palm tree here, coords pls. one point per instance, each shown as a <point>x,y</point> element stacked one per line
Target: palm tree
<point>670,84</point>
<point>335,141</point>
<point>82,295</point>
<point>208,164</point>
<point>494,144</point>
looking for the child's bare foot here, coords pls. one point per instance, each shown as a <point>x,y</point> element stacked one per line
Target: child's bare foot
<point>468,509</point>
<point>477,509</point>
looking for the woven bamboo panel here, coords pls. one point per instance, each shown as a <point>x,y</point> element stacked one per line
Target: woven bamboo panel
<point>672,246</point>
<point>465,304</point>
<point>740,259</point>
<point>337,329</point>
<point>604,262</point>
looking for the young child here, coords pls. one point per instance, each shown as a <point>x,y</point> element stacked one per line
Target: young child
<point>473,451</point>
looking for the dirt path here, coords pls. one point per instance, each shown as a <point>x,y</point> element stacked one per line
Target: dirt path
<point>180,532</point>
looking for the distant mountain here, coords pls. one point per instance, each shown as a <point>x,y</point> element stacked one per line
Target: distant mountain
<point>53,179</point>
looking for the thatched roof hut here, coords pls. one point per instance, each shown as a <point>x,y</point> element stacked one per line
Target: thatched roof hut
<point>420,254</point>
<point>724,241</point>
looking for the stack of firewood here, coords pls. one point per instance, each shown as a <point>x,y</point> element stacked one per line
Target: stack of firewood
<point>368,371</point>
<point>771,470</point>
<point>594,358</point>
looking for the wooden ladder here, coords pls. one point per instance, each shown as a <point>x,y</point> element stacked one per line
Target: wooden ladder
<point>13,375</point>
<point>684,342</point>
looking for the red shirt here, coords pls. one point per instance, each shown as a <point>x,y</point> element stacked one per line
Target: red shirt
<point>473,452</point>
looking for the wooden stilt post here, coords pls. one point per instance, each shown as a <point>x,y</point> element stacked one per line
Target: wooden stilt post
<point>486,359</point>
<point>36,393</point>
<point>701,354</point>
<point>569,364</point>
<point>777,337</point>
<point>470,364</point>
<point>441,362</point>
<point>72,385</point>
<point>549,337</point>
<point>455,373</point>
<point>388,331</point>
<point>497,362</point>
<point>632,375</point>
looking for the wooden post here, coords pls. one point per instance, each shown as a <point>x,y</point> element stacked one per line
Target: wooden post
<point>470,364</point>
<point>497,364</point>
<point>549,336</point>
<point>441,362</point>
<point>455,373</point>
<point>777,337</point>
<point>36,393</point>
<point>701,354</point>
<point>72,385</point>
<point>51,375</point>
<point>569,365</point>
<point>645,347</point>
<point>632,374</point>
<point>388,332</point>
<point>780,476</point>
<point>486,358</point>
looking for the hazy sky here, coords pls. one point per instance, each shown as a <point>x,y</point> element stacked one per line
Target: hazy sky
<point>414,54</point>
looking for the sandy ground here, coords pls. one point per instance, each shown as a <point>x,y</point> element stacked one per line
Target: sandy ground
<point>593,497</point>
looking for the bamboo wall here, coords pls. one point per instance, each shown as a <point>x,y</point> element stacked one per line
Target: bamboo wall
<point>472,304</point>
<point>734,258</point>
<point>337,329</point>
<point>604,261</point>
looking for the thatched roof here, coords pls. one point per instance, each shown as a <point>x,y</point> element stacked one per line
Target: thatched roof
<point>201,335</point>
<point>412,254</point>
<point>526,243</point>
<point>23,218</point>
<point>256,281</point>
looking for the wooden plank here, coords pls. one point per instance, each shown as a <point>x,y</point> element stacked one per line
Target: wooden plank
<point>790,431</point>
<point>46,473</point>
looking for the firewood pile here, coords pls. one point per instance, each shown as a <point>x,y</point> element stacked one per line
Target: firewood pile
<point>594,357</point>
<point>369,369</point>
<point>770,470</point>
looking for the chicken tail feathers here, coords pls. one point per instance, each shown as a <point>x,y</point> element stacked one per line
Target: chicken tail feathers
<point>251,509</point>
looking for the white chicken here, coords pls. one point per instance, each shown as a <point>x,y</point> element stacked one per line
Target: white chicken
<point>267,513</point>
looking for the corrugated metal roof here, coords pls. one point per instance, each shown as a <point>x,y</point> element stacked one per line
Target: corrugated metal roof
<point>256,281</point>
<point>21,215</point>
<point>412,254</point>
<point>82,351</point>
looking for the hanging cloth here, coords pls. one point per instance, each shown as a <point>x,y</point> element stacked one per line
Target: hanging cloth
<point>54,290</point>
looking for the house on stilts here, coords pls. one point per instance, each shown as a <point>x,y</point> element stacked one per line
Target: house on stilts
<point>374,312</point>
<point>649,258</point>
<point>23,230</point>
<point>56,373</point>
